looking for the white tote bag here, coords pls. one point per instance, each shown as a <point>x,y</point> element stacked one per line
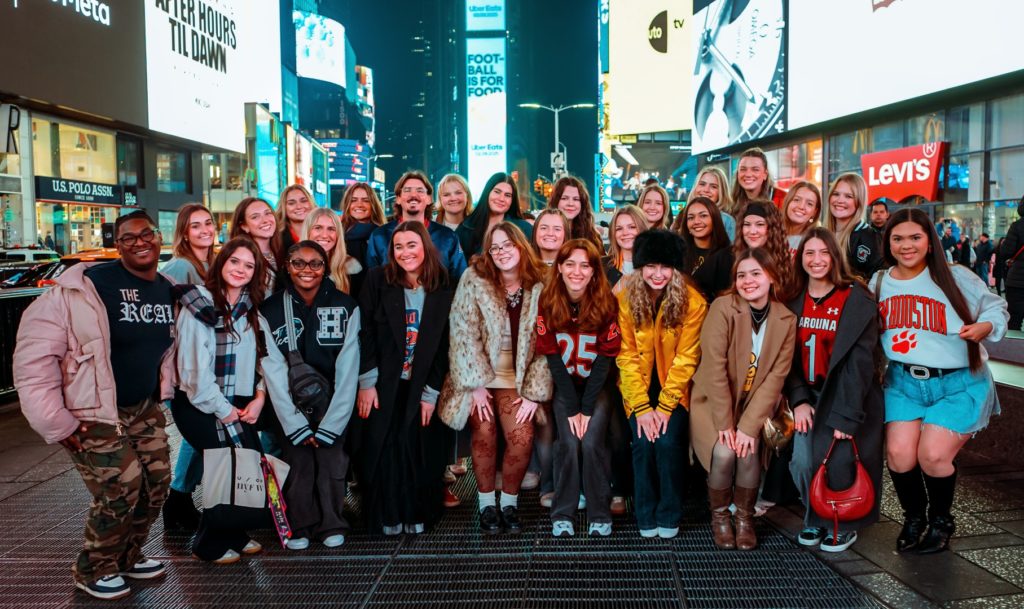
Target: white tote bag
<point>233,476</point>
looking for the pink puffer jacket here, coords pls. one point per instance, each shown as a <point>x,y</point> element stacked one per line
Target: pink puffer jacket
<point>62,367</point>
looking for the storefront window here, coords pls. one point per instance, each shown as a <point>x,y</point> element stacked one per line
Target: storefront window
<point>965,128</point>
<point>888,136</point>
<point>845,151</point>
<point>74,228</point>
<point>1007,124</point>
<point>1006,174</point>
<point>73,153</point>
<point>926,129</point>
<point>10,206</point>
<point>963,178</point>
<point>968,216</point>
<point>173,172</point>
<point>129,162</point>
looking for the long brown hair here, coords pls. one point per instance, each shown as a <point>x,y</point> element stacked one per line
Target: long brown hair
<point>666,204</point>
<point>598,305</point>
<point>531,269</point>
<point>583,224</point>
<point>776,245</point>
<point>938,269</point>
<point>238,219</point>
<point>634,212</point>
<point>764,259</point>
<point>786,222</point>
<point>376,209</point>
<point>719,238</point>
<point>216,285</point>
<point>433,275</point>
<point>181,247</point>
<point>839,270</point>
<point>739,196</point>
<point>281,213</point>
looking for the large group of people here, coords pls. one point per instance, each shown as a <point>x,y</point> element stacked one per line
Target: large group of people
<point>458,327</point>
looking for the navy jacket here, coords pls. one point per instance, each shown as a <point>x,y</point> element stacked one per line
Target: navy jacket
<point>444,239</point>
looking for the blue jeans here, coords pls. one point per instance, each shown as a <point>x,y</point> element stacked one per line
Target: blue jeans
<point>188,470</point>
<point>659,470</point>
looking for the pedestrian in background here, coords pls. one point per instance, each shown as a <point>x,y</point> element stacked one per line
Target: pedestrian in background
<point>91,369</point>
<point>1012,249</point>
<point>983,252</point>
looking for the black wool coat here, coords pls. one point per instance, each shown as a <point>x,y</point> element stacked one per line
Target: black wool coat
<point>851,399</point>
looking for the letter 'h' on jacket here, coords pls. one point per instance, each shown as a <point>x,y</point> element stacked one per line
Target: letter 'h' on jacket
<point>671,353</point>
<point>477,320</point>
<point>327,338</point>
<point>62,366</point>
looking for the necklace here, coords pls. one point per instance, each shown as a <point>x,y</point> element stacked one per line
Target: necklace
<point>816,302</point>
<point>759,317</point>
<point>512,299</point>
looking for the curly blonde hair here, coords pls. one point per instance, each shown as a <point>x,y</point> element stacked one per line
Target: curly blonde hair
<point>674,302</point>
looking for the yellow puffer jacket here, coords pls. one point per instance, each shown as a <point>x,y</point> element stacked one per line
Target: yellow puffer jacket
<point>676,351</point>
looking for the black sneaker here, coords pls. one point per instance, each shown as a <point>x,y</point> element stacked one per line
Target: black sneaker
<point>811,536</point>
<point>838,544</point>
<point>490,521</point>
<point>106,588</point>
<point>510,516</point>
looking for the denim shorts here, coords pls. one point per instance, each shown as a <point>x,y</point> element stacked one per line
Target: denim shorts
<point>960,401</point>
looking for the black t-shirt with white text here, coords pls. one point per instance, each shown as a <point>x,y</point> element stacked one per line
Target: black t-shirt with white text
<point>141,318</point>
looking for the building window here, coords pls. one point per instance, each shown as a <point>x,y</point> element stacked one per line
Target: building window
<point>965,128</point>
<point>71,152</point>
<point>173,171</point>
<point>129,162</point>
<point>1007,125</point>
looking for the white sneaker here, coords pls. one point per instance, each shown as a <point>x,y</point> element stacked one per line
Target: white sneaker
<point>547,499</point>
<point>229,557</point>
<point>107,588</point>
<point>668,532</point>
<point>600,529</point>
<point>392,530</point>
<point>582,504</point>
<point>648,533</point>
<point>414,528</point>
<point>253,547</point>
<point>298,543</point>
<point>147,568</point>
<point>530,481</point>
<point>333,541</point>
<point>562,528</point>
<point>843,542</point>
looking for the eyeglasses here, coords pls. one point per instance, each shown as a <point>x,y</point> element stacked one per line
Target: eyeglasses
<point>409,191</point>
<point>507,246</point>
<point>146,236</point>
<point>300,265</point>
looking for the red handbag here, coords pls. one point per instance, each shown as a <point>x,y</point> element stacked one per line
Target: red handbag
<point>844,505</point>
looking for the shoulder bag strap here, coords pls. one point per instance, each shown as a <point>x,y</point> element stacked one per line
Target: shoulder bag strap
<point>1011,260</point>
<point>289,323</point>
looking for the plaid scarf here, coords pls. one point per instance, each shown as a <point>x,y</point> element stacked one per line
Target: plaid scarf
<point>201,306</point>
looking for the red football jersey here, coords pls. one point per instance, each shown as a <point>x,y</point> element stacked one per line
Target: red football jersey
<point>816,332</point>
<point>578,349</point>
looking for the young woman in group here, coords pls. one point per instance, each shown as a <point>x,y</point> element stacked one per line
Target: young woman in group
<point>832,387</point>
<point>708,257</point>
<point>293,206</point>
<point>326,322</point>
<point>219,348</point>
<point>857,240</point>
<point>324,227</point>
<point>760,226</point>
<point>577,331</point>
<point>403,363</point>
<point>627,223</point>
<point>497,377</point>
<point>753,181</point>
<point>654,203</point>
<point>550,230</point>
<point>194,237</point>
<point>254,218</point>
<point>454,201</point>
<point>747,347</point>
<point>801,211</point>
<point>499,202</point>
<point>660,316</point>
<point>570,195</point>
<point>938,389</point>
<point>712,184</point>
<point>361,214</point>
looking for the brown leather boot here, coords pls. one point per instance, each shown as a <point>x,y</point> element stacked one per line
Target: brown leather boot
<point>721,519</point>
<point>745,498</point>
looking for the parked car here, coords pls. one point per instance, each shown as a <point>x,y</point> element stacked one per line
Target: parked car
<point>44,274</point>
<point>28,254</point>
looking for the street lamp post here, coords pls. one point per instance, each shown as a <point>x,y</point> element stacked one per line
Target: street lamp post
<point>558,159</point>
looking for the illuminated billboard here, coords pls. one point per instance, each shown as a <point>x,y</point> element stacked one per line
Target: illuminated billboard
<point>319,48</point>
<point>910,54</point>
<point>649,38</point>
<point>485,15</point>
<point>485,110</point>
<point>739,70</point>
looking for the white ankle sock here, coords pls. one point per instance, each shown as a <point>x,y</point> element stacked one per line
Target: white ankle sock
<point>509,500</point>
<point>486,499</point>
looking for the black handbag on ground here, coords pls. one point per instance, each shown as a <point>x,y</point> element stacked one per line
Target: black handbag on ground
<point>310,391</point>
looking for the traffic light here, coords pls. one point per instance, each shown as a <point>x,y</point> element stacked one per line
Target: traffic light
<point>538,186</point>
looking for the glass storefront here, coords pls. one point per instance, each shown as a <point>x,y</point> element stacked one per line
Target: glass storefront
<point>74,228</point>
<point>10,199</point>
<point>61,150</point>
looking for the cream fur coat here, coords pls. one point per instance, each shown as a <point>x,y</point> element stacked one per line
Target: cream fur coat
<point>477,320</point>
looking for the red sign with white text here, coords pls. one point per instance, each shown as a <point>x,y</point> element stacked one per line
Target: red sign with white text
<point>904,172</point>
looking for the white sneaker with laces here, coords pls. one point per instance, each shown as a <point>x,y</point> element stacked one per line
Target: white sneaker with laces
<point>298,543</point>
<point>107,588</point>
<point>600,529</point>
<point>838,544</point>
<point>147,568</point>
<point>229,557</point>
<point>562,528</point>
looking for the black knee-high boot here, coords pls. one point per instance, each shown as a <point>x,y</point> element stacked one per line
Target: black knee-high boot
<point>940,516</point>
<point>910,490</point>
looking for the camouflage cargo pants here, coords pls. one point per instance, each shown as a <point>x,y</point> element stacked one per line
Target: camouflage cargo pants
<point>127,470</point>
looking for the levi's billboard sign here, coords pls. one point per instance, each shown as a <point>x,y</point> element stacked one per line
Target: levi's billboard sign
<point>904,172</point>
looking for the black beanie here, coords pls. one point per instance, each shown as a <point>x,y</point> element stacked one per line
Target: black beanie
<point>754,209</point>
<point>659,246</point>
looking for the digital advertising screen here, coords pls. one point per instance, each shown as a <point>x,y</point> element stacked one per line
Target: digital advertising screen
<point>649,50</point>
<point>319,48</point>
<point>485,15</point>
<point>486,114</point>
<point>739,70</point>
<point>847,56</point>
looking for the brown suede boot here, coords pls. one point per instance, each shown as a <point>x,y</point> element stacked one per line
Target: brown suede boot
<point>745,498</point>
<point>721,519</point>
